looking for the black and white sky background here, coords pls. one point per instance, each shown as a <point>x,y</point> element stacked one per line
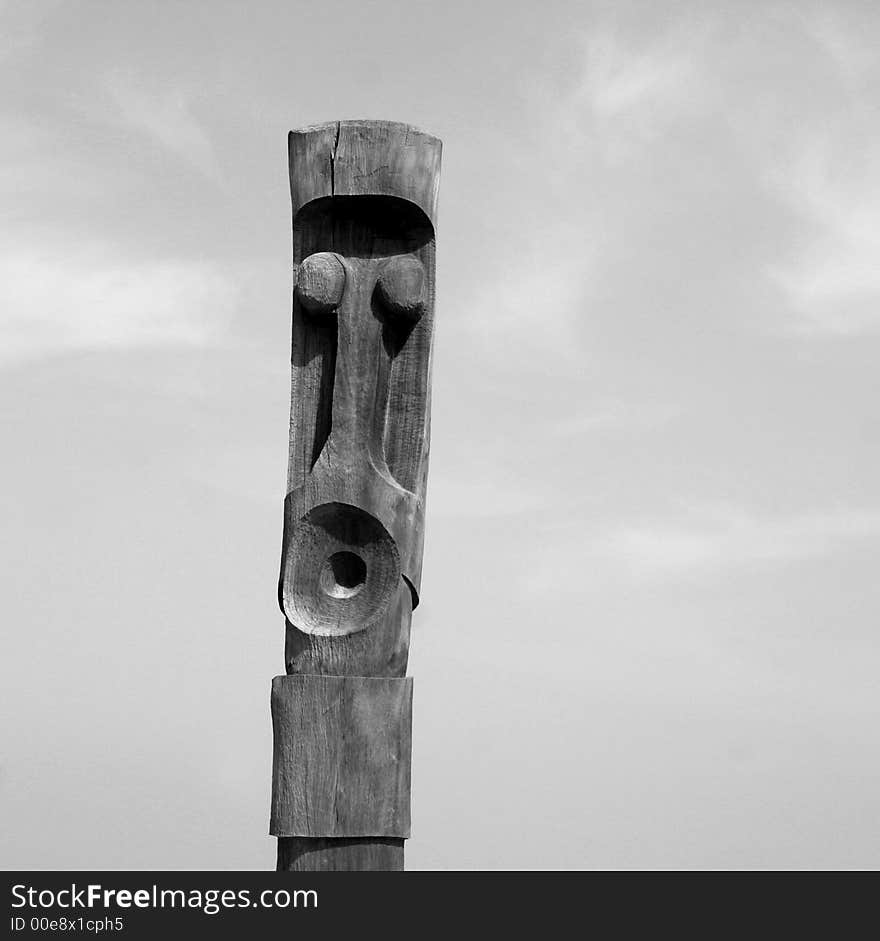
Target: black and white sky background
<point>649,625</point>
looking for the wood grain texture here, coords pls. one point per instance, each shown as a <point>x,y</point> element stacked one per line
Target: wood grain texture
<point>363,323</point>
<point>364,202</point>
<point>298,854</point>
<point>360,381</point>
<point>365,158</point>
<point>341,763</point>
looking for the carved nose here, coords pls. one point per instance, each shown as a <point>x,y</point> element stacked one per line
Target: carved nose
<point>336,298</point>
<point>341,571</point>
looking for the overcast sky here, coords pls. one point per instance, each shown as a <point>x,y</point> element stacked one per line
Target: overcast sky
<point>650,607</point>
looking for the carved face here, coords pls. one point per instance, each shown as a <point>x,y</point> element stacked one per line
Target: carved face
<point>362,330</point>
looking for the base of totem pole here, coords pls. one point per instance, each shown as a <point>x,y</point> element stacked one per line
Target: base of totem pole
<point>341,771</point>
<point>345,854</point>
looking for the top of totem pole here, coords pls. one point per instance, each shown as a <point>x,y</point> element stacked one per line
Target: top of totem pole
<point>364,158</point>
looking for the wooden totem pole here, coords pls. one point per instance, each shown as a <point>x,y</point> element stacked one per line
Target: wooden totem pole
<point>364,197</point>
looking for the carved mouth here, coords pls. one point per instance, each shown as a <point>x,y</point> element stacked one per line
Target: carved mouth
<point>342,568</point>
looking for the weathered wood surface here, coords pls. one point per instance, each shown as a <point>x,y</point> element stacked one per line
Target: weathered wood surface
<point>364,199</point>
<point>296,854</point>
<point>364,158</point>
<point>363,320</point>
<point>341,763</point>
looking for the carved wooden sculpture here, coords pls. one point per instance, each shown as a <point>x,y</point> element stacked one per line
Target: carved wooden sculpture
<point>364,197</point>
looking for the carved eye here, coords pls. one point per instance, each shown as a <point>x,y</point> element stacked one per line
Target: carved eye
<point>320,283</point>
<point>401,288</point>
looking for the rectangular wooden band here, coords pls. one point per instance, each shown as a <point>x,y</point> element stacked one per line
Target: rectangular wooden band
<point>341,761</point>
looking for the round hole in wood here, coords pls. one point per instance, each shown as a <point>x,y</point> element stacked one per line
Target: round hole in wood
<point>343,575</point>
<point>341,571</point>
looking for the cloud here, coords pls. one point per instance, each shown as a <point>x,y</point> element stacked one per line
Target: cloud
<point>627,90</point>
<point>822,159</point>
<point>619,80</point>
<point>528,302</point>
<point>705,541</point>
<point>531,312</point>
<point>798,133</point>
<point>20,23</point>
<point>614,414</point>
<point>51,303</point>
<point>851,50</point>
<point>833,282</point>
<point>165,117</point>
<point>723,537</point>
<point>482,493</point>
